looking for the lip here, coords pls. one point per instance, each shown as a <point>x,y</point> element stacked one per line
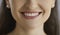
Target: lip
<point>30,17</point>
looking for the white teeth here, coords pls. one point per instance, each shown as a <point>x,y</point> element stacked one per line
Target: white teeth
<point>31,14</point>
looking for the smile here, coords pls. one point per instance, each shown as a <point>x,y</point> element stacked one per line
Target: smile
<point>30,15</point>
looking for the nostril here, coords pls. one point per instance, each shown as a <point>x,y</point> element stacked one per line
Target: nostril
<point>40,12</point>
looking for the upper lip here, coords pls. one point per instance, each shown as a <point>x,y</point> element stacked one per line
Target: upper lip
<point>31,12</point>
<point>34,11</point>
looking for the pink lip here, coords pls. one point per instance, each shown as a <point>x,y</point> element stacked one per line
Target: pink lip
<point>30,17</point>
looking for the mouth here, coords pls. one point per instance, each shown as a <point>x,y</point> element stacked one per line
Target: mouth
<point>30,15</point>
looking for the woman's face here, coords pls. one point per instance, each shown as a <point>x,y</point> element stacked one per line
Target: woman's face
<point>30,12</point>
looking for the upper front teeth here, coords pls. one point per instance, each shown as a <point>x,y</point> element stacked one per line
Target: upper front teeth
<point>31,14</point>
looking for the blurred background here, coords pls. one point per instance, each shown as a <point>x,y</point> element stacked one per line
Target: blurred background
<point>58,9</point>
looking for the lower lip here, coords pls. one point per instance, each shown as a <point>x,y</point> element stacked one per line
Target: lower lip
<point>30,17</point>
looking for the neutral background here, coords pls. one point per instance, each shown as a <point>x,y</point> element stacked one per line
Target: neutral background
<point>58,5</point>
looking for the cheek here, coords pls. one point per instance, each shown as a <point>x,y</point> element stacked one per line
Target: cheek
<point>46,7</point>
<point>45,3</point>
<point>47,10</point>
<point>46,14</point>
<point>16,16</point>
<point>18,5</point>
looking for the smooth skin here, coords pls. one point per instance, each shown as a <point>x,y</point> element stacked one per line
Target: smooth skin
<point>30,26</point>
